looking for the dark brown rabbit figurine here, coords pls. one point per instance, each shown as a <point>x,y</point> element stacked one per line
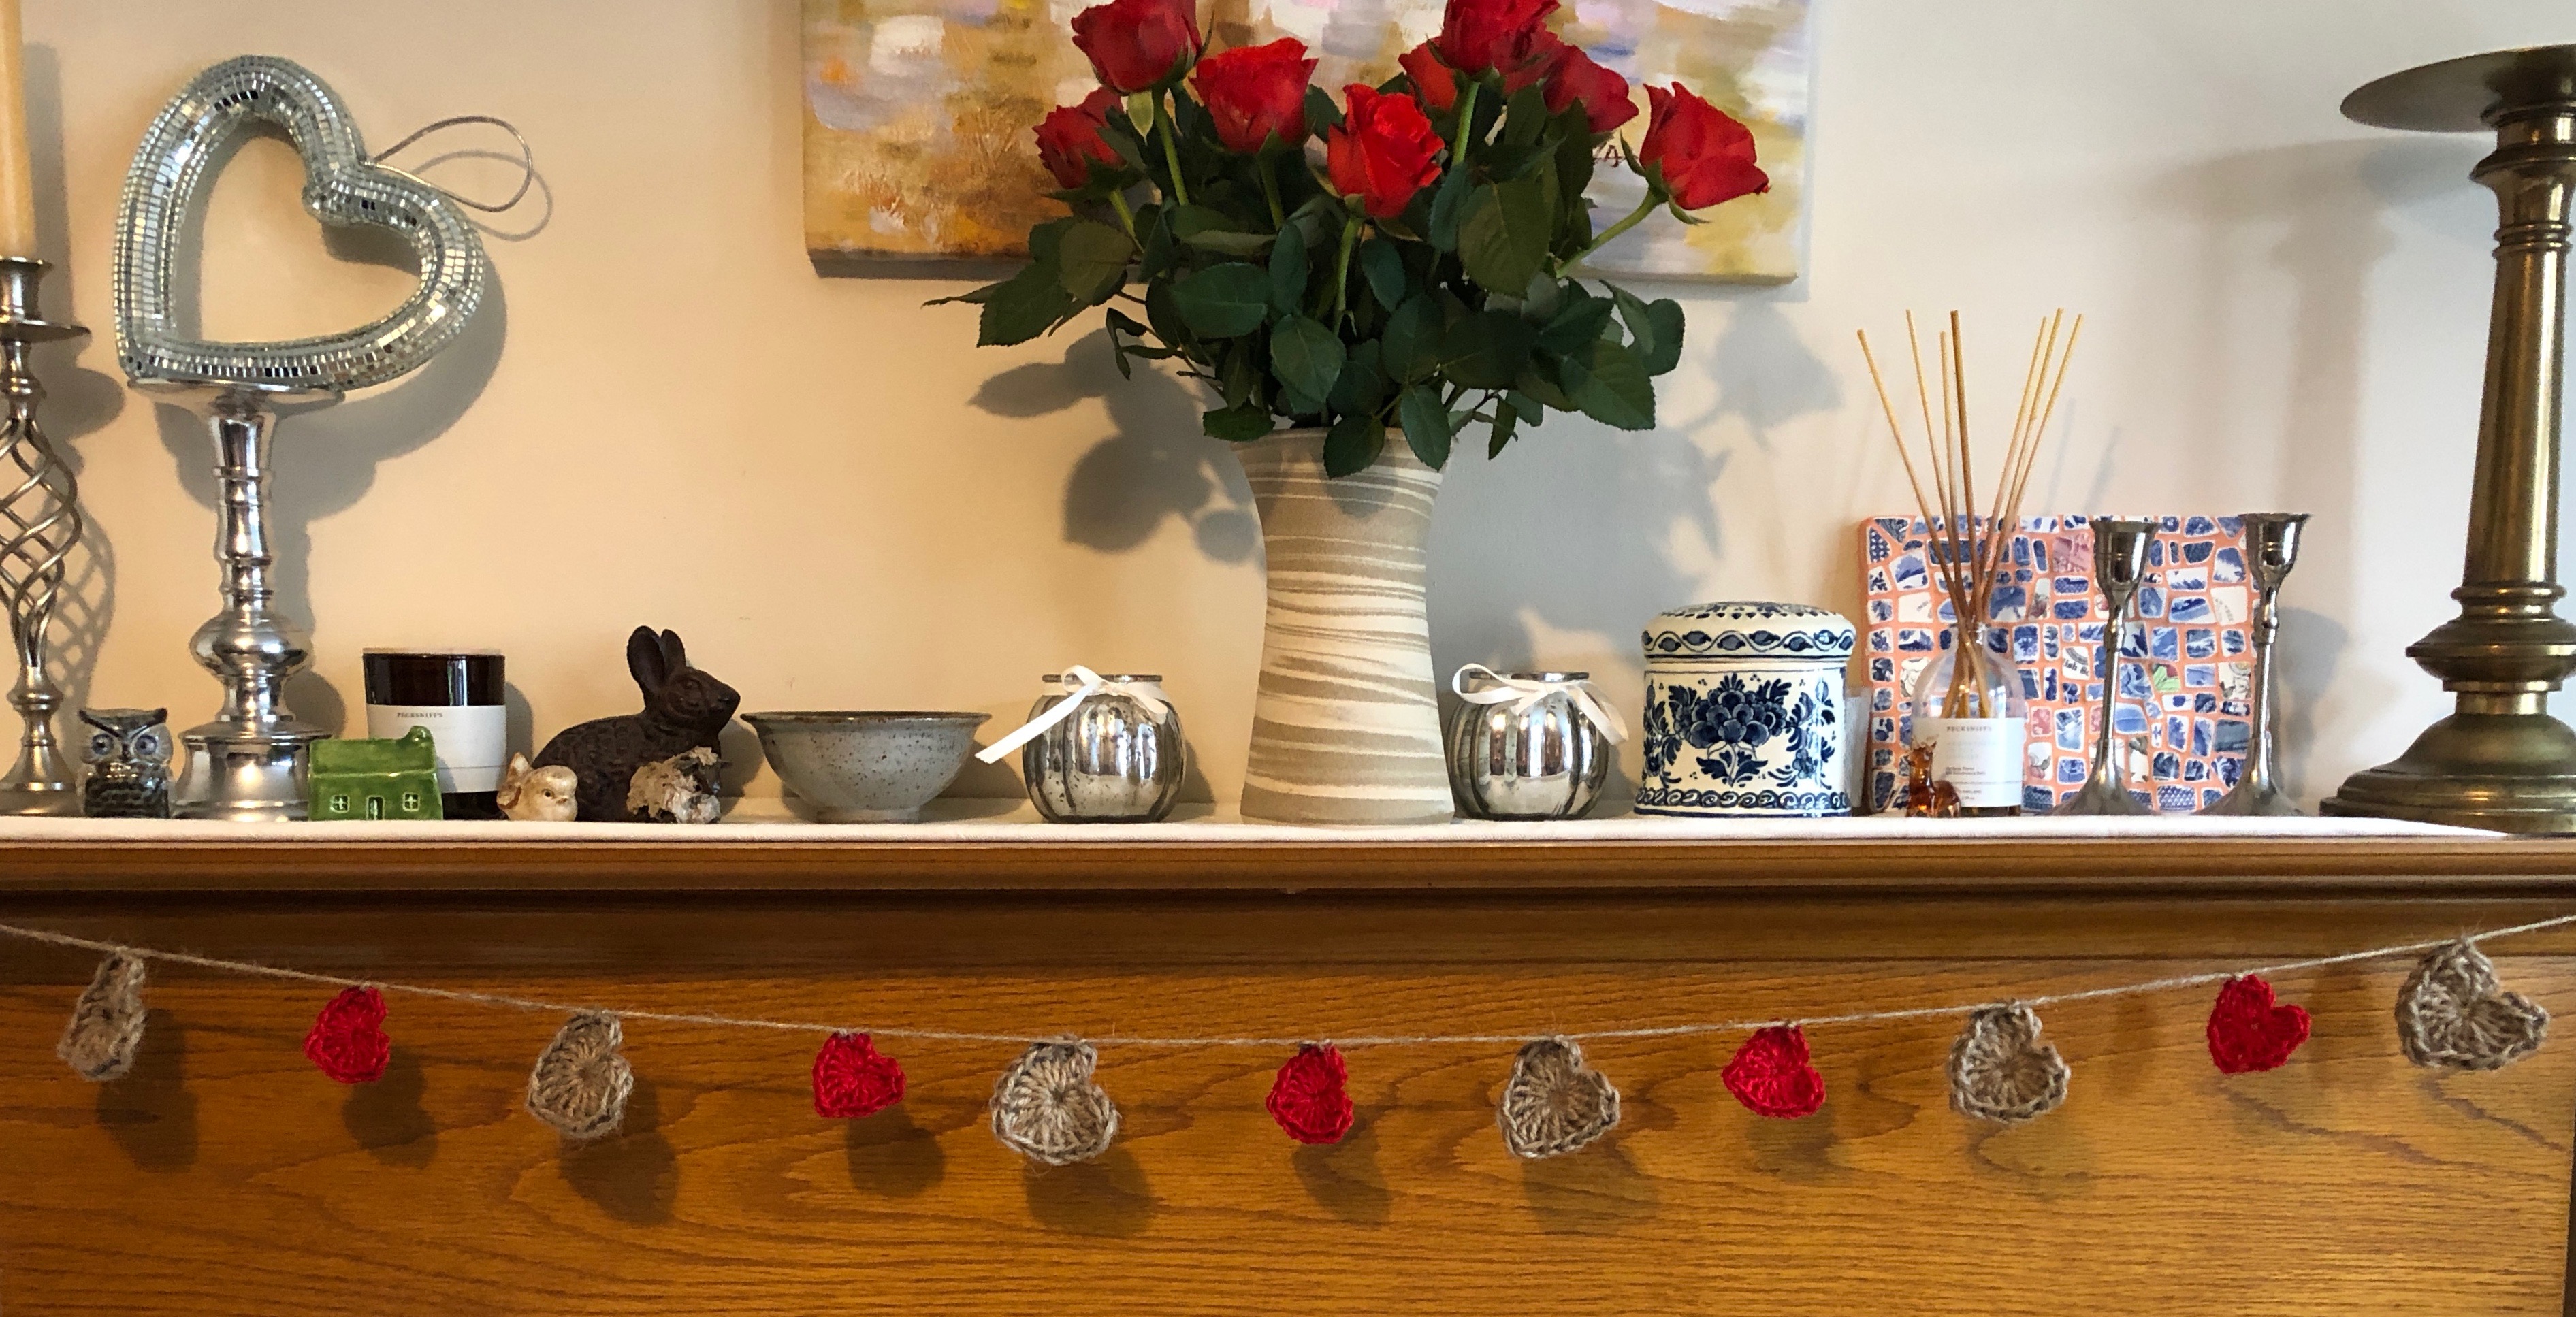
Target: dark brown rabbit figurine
<point>684,708</point>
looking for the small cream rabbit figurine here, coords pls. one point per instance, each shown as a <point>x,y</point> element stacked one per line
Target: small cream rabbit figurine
<point>530,794</point>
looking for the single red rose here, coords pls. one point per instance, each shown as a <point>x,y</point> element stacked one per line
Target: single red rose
<point>1069,140</point>
<point>1433,83</point>
<point>348,1040</point>
<point>853,1079</point>
<point>1138,44</point>
<point>1383,152</point>
<point>1705,155</point>
<point>1309,1099</point>
<point>1477,35</point>
<point>1533,63</point>
<point>2247,1032</point>
<point>1603,94</point>
<point>1771,1077</point>
<point>1256,93</point>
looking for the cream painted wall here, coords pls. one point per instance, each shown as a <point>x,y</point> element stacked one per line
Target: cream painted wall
<point>667,418</point>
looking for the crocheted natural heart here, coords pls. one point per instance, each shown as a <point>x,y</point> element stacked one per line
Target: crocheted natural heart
<point>2000,1071</point>
<point>581,1081</point>
<point>1554,1103</point>
<point>1771,1077</point>
<point>1310,1098</point>
<point>348,1039</point>
<point>2248,1032</point>
<point>106,1028</point>
<point>2452,1012</point>
<point>341,187</point>
<point>853,1079</point>
<point>1046,1107</point>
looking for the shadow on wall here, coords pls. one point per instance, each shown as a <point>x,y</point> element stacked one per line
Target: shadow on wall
<point>2316,212</point>
<point>1155,464</point>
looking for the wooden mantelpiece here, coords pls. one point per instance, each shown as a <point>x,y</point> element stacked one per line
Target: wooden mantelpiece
<point>225,1176</point>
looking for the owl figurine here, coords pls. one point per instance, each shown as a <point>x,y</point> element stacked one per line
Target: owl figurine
<point>129,764</point>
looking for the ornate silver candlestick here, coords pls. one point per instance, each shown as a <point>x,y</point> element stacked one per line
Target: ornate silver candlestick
<point>43,524</point>
<point>2500,760</point>
<point>250,762</point>
<point>2271,550</point>
<point>2119,565</point>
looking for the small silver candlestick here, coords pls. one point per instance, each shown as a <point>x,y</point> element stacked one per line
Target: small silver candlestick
<point>2271,550</point>
<point>43,524</point>
<point>2119,566</point>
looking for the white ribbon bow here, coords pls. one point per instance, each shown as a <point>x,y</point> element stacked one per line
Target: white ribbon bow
<point>1083,683</point>
<point>1523,692</point>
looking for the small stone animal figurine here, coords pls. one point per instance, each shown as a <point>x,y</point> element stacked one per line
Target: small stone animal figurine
<point>680,789</point>
<point>529,794</point>
<point>684,709</point>
<point>129,764</point>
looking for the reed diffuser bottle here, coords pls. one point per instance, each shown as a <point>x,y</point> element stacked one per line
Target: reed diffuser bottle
<point>1968,726</point>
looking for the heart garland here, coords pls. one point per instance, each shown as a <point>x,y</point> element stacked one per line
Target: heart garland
<point>348,1039</point>
<point>1771,1077</point>
<point>1046,1107</point>
<point>581,1081</point>
<point>2453,1013</point>
<point>1553,1103</point>
<point>342,187</point>
<point>2248,1032</point>
<point>1311,1097</point>
<point>106,1027</point>
<point>852,1079</point>
<point>2000,1071</point>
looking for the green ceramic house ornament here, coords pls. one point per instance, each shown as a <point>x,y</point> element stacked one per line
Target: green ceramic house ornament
<point>363,779</point>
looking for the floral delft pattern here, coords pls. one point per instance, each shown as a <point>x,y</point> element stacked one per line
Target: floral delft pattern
<point>1769,740</point>
<point>2182,702</point>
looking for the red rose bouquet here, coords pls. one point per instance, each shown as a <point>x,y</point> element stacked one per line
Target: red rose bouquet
<point>1401,259</point>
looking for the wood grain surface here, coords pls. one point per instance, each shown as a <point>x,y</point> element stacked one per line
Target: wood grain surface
<point>226,1176</point>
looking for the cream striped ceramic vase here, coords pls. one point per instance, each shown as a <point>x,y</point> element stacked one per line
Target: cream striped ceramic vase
<point>1346,728</point>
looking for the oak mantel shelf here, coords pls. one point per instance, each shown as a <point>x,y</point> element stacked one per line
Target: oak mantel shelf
<point>2460,865</point>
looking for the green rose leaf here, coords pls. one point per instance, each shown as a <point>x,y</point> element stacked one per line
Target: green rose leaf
<point>1288,272</point>
<point>1222,301</point>
<point>1363,386</point>
<point>1213,230</point>
<point>1384,267</point>
<point>1353,445</point>
<point>1665,315</point>
<point>1449,209</point>
<point>1426,425</point>
<point>1237,424</point>
<point>1609,384</point>
<point>1578,320</point>
<point>1412,339</point>
<point>1503,239</point>
<point>1322,114</point>
<point>1091,261</point>
<point>1024,306</point>
<point>1306,356</point>
<point>1505,421</point>
<point>1487,349</point>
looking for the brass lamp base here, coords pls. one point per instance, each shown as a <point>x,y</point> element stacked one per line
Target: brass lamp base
<point>2510,772</point>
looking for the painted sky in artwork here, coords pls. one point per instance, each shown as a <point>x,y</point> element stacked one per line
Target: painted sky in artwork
<point>917,115</point>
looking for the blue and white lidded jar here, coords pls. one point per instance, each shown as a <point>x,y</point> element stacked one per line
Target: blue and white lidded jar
<point>1744,712</point>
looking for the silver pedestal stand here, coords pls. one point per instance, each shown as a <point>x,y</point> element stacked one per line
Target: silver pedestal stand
<point>44,522</point>
<point>251,763</point>
<point>2271,550</point>
<point>2119,567</point>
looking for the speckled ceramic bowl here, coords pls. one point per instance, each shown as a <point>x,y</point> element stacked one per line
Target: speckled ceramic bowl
<point>866,767</point>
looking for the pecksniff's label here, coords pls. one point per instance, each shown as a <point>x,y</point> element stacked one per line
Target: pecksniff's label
<point>473,740</point>
<point>1981,758</point>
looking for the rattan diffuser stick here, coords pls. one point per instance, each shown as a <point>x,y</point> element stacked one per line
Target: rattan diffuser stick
<point>1969,553</point>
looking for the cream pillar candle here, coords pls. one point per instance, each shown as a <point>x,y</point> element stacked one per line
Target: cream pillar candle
<point>17,183</point>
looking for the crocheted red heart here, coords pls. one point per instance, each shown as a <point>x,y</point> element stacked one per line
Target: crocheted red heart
<point>2248,1032</point>
<point>1771,1077</point>
<point>1309,1098</point>
<point>852,1078</point>
<point>348,1040</point>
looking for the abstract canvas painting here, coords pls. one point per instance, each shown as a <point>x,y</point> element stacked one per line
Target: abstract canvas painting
<point>918,116</point>
<point>2184,682</point>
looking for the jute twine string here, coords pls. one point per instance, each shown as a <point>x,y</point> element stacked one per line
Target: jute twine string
<point>2000,1071</point>
<point>2452,1012</point>
<point>106,1027</point>
<point>1047,1109</point>
<point>551,1006</point>
<point>1554,1103</point>
<point>581,1081</point>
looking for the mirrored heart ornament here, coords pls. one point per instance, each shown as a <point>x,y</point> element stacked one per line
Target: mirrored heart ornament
<point>178,157</point>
